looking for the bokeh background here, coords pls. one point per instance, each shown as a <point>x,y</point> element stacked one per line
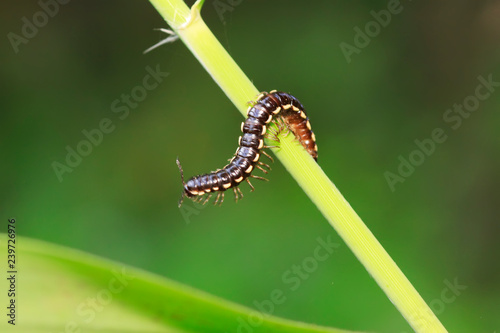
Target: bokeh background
<point>440,225</point>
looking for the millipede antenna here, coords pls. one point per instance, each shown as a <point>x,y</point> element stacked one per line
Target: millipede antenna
<point>183,183</point>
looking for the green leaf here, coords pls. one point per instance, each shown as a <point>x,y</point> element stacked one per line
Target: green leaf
<point>65,290</point>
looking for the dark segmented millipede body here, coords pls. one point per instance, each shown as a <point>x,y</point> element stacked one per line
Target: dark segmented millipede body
<point>287,112</point>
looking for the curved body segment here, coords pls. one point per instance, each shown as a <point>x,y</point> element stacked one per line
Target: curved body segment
<point>274,106</point>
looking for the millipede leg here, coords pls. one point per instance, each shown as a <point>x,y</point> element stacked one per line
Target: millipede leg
<point>272,138</point>
<point>251,186</point>
<point>283,127</point>
<point>239,191</point>
<point>271,130</point>
<point>259,96</point>
<point>264,164</point>
<point>261,168</point>
<point>275,139</point>
<point>217,198</point>
<point>268,156</point>
<point>208,198</point>
<point>238,195</point>
<point>272,134</point>
<point>258,177</point>
<point>222,199</point>
<point>281,124</point>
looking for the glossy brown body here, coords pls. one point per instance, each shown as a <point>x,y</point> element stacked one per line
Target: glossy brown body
<point>297,121</point>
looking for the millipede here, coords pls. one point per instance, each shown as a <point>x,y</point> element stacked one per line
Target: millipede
<point>287,113</point>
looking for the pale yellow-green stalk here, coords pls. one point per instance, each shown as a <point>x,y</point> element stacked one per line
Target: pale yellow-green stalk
<point>192,30</point>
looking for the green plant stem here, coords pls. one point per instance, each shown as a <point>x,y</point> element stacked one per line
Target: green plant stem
<point>198,38</point>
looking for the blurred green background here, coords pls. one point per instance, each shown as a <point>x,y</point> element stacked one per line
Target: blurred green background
<point>440,225</point>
